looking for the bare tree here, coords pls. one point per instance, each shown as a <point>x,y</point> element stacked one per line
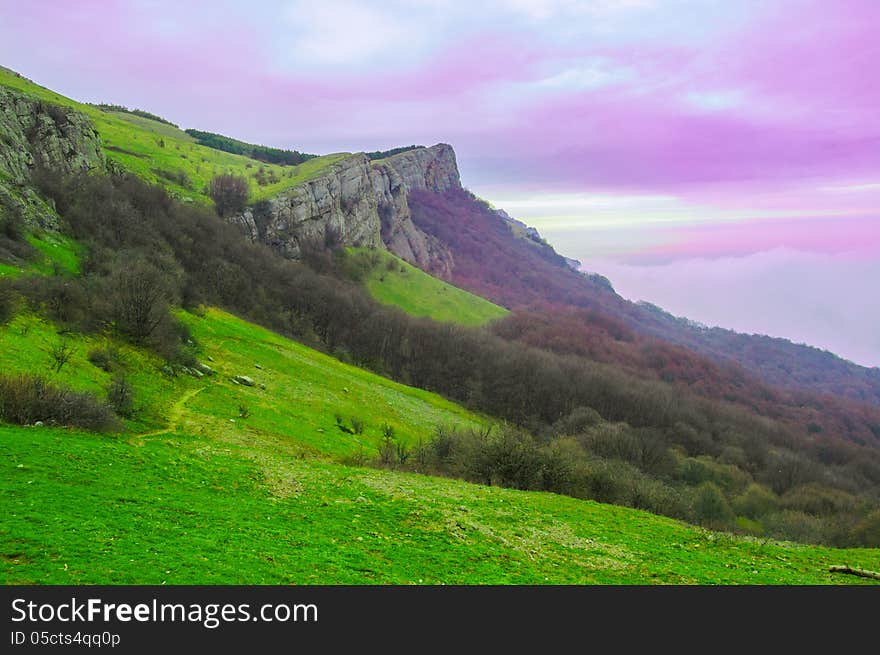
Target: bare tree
<point>61,353</point>
<point>229,193</point>
<point>139,299</point>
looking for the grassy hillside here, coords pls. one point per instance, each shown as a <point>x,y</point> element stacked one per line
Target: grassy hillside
<point>163,154</point>
<point>241,507</point>
<point>392,281</point>
<point>54,253</point>
<point>194,493</point>
<point>304,389</point>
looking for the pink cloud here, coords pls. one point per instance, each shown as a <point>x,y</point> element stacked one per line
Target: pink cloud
<point>852,236</point>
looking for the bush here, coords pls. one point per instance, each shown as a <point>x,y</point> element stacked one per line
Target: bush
<point>229,193</point>
<point>8,302</point>
<point>756,501</point>
<point>61,353</point>
<point>578,421</point>
<point>104,358</point>
<point>26,399</point>
<point>120,395</point>
<point>139,294</point>
<point>11,220</point>
<point>389,448</point>
<point>711,508</point>
<point>867,532</point>
<point>794,525</point>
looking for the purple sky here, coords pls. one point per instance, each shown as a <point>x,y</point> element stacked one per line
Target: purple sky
<point>719,158</point>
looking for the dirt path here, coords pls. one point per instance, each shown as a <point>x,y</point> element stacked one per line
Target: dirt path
<point>174,415</point>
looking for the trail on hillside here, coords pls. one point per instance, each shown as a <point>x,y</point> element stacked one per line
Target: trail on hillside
<point>174,415</point>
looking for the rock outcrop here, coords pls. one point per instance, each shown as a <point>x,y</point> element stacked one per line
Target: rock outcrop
<point>358,202</point>
<point>339,206</point>
<point>36,133</point>
<point>432,169</point>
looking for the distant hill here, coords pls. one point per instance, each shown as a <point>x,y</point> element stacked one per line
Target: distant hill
<point>518,271</point>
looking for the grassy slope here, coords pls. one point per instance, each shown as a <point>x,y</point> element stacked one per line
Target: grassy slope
<point>55,253</point>
<point>395,282</point>
<point>212,497</point>
<point>142,146</point>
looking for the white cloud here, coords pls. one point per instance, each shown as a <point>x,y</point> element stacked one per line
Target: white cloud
<point>715,100</point>
<point>592,74</point>
<point>853,187</point>
<point>349,32</point>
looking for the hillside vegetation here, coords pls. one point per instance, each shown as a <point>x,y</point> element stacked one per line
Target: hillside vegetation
<point>193,492</point>
<point>392,281</point>
<point>582,428</point>
<point>162,154</point>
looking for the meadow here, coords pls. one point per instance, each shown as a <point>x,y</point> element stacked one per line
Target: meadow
<point>194,491</point>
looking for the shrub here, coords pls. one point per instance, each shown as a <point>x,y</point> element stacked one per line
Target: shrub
<point>11,220</point>
<point>61,353</point>
<point>229,193</point>
<point>815,500</point>
<point>578,421</point>
<point>7,303</point>
<point>139,295</point>
<point>120,395</point>
<point>794,525</point>
<point>26,399</point>
<point>104,358</point>
<point>756,501</point>
<point>711,508</point>
<point>867,532</point>
<point>244,411</point>
<point>357,425</point>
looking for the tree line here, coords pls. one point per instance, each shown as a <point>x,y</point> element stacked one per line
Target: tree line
<point>260,153</point>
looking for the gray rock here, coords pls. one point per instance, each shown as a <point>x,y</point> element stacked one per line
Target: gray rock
<point>38,133</point>
<point>244,379</point>
<point>360,203</point>
<point>204,368</point>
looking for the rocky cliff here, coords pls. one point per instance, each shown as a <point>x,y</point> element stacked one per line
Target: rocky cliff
<point>358,202</point>
<point>35,133</point>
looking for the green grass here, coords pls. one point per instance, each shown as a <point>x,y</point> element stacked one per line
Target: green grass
<point>59,252</point>
<point>56,253</point>
<point>193,493</point>
<point>395,282</point>
<point>145,146</point>
<point>304,391</point>
<point>184,509</point>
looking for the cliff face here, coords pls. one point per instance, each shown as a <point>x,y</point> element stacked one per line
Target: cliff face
<point>359,202</point>
<point>34,133</point>
<point>338,206</point>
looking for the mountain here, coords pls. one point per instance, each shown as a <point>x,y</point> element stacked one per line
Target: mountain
<point>227,384</point>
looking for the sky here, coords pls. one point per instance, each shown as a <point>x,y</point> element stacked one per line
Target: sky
<point>720,159</point>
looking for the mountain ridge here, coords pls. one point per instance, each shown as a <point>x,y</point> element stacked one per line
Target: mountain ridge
<point>352,200</point>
